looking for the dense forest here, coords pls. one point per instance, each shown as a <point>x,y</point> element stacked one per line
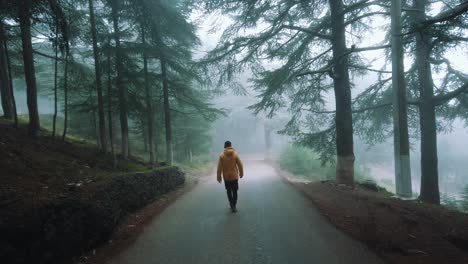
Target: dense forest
<point>119,72</point>
<point>123,73</point>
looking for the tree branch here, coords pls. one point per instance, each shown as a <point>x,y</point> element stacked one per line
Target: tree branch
<point>360,110</point>
<point>47,56</point>
<point>308,31</point>
<point>364,16</point>
<point>322,70</point>
<point>368,69</point>
<point>442,98</point>
<point>447,15</point>
<point>354,49</point>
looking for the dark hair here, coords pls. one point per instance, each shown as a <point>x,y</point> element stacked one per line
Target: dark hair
<point>227,144</point>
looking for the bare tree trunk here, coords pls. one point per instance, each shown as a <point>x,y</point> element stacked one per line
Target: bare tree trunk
<point>427,115</point>
<point>65,92</point>
<point>144,132</point>
<point>400,119</point>
<point>122,90</point>
<point>29,71</point>
<point>267,131</point>
<point>167,113</point>
<point>341,84</point>
<point>54,119</point>
<point>149,99</point>
<point>5,89</point>
<point>97,70</point>
<point>96,129</point>
<point>109,105</point>
<point>10,79</point>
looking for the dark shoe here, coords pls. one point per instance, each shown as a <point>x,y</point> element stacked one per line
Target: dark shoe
<point>232,206</point>
<point>234,209</point>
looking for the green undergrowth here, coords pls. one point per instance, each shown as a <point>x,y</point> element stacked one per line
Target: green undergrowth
<point>458,203</point>
<point>200,165</point>
<point>304,163</point>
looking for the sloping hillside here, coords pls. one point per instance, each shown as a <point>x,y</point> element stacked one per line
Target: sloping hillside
<point>60,199</point>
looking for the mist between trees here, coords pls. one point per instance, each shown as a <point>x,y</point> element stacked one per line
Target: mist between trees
<point>323,74</point>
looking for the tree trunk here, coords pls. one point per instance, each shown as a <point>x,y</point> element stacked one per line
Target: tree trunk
<point>149,99</point>
<point>28,63</point>
<point>400,119</point>
<point>96,130</point>
<point>97,70</point>
<point>122,90</point>
<point>5,89</point>
<point>427,116</point>
<point>341,85</point>
<point>267,131</point>
<point>10,79</point>
<point>65,92</point>
<point>144,132</point>
<point>167,113</point>
<point>109,105</point>
<point>54,119</point>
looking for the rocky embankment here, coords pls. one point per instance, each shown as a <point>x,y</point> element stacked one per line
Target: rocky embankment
<point>57,229</point>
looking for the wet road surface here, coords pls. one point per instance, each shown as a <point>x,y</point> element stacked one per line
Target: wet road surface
<point>274,224</point>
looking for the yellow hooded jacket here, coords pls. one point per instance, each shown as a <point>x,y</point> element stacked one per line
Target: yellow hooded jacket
<point>229,165</point>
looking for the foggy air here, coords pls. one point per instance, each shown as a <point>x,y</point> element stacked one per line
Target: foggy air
<point>233,131</point>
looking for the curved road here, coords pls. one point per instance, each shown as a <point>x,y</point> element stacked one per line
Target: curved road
<point>274,224</point>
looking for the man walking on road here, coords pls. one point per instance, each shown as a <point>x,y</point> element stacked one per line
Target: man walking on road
<point>230,166</point>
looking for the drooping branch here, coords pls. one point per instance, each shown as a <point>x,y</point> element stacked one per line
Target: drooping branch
<point>308,31</point>
<point>313,60</point>
<point>47,55</point>
<point>367,68</point>
<point>319,71</point>
<point>447,15</point>
<point>354,19</point>
<point>442,98</point>
<point>359,5</point>
<point>404,9</point>
<point>359,110</point>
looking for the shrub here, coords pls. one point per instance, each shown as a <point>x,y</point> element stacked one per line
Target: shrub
<point>450,202</point>
<point>464,199</point>
<point>303,162</point>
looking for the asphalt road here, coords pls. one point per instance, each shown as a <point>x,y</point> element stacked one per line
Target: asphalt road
<point>274,224</point>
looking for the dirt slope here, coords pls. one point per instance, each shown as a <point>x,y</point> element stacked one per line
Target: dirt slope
<point>399,231</point>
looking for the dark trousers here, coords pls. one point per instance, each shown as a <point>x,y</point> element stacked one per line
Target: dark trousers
<point>231,189</point>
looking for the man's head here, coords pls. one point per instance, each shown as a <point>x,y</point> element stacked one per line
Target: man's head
<point>227,144</point>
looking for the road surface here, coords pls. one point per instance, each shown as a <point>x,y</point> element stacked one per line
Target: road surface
<point>274,224</point>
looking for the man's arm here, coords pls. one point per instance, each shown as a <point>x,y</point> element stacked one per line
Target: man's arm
<point>240,166</point>
<point>220,170</point>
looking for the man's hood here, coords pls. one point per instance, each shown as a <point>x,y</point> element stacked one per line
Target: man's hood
<point>229,151</point>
